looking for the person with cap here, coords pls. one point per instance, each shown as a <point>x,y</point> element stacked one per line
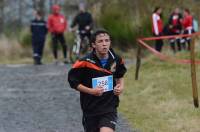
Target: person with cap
<point>57,25</point>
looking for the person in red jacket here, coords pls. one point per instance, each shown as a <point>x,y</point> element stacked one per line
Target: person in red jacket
<point>187,24</point>
<point>157,27</point>
<point>57,24</point>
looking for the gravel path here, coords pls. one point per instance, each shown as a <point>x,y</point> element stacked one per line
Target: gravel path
<point>38,99</point>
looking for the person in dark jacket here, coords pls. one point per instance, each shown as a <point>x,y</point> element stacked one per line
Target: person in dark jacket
<point>38,32</point>
<point>99,79</point>
<point>84,21</point>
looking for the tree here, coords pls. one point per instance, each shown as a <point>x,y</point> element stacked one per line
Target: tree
<point>1,15</point>
<point>39,5</point>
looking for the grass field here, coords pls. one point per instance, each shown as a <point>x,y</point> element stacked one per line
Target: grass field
<point>161,100</point>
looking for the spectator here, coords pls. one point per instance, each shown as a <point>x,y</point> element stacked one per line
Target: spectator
<point>38,32</point>
<point>157,27</point>
<point>175,28</point>
<point>187,23</point>
<point>57,24</point>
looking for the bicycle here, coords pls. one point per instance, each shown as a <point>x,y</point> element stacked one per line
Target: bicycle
<point>80,47</point>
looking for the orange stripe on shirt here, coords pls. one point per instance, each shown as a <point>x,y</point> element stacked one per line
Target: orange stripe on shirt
<point>82,64</point>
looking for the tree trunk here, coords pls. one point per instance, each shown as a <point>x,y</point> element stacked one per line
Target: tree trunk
<point>1,15</point>
<point>20,13</point>
<point>50,5</point>
<point>41,5</point>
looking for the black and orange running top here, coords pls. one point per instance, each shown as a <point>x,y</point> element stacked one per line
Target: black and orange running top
<point>88,68</point>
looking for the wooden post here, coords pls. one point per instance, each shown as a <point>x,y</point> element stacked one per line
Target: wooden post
<point>138,61</point>
<point>193,74</point>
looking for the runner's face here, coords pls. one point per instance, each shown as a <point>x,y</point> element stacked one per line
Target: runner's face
<point>102,44</point>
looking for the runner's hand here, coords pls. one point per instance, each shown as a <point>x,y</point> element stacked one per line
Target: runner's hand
<point>87,28</point>
<point>97,91</point>
<point>118,89</point>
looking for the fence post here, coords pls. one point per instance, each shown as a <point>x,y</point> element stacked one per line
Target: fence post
<point>138,61</point>
<point>193,74</point>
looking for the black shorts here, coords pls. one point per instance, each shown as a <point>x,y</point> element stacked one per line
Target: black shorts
<point>94,123</point>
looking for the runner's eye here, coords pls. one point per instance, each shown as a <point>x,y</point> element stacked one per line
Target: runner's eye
<point>107,40</point>
<point>99,41</point>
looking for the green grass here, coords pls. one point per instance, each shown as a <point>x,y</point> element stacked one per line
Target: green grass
<point>14,52</point>
<point>161,100</point>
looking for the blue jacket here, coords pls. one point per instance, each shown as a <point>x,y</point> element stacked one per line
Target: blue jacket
<point>38,30</point>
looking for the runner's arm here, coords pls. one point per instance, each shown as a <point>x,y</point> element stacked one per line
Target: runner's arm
<point>118,89</point>
<point>97,91</point>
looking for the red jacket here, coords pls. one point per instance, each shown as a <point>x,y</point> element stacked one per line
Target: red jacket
<point>56,23</point>
<point>187,22</point>
<point>157,24</point>
<point>175,22</point>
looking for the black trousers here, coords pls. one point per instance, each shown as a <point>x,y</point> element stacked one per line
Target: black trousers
<point>158,44</point>
<point>59,38</point>
<point>187,39</point>
<point>37,46</point>
<point>175,41</point>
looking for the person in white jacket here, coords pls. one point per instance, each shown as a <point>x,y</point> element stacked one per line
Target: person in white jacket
<point>157,27</point>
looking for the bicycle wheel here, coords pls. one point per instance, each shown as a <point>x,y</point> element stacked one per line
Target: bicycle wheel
<point>73,55</point>
<point>84,48</point>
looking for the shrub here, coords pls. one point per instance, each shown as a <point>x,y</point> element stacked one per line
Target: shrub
<point>25,38</point>
<point>120,25</point>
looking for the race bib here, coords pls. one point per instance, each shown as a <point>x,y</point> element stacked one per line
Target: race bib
<point>105,82</point>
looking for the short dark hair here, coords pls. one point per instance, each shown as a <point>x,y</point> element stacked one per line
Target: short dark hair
<point>39,13</point>
<point>187,10</point>
<point>96,33</point>
<point>156,9</point>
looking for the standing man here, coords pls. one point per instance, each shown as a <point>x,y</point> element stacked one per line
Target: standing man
<point>38,32</point>
<point>157,27</point>
<point>84,21</point>
<point>57,25</point>
<point>99,79</point>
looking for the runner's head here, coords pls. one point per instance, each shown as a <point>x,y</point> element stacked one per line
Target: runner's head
<point>101,42</point>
